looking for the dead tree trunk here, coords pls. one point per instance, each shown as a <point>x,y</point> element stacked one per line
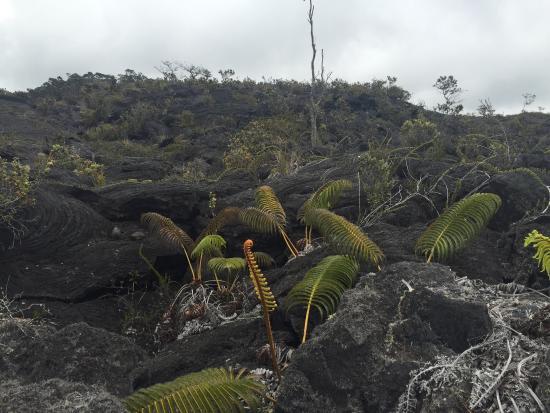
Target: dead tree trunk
<point>312,101</point>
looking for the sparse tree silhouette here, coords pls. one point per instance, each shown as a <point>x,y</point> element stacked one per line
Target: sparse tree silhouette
<point>528,98</point>
<point>197,72</point>
<point>486,108</point>
<point>226,74</point>
<point>448,86</point>
<point>169,70</point>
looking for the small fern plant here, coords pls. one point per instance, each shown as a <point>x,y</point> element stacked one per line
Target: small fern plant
<point>215,390</point>
<point>542,245</point>
<point>268,216</point>
<point>325,197</point>
<point>344,236</point>
<point>458,225</point>
<point>265,296</point>
<point>207,245</point>
<point>322,287</point>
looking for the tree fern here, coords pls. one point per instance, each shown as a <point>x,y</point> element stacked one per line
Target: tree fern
<point>265,296</point>
<point>542,244</point>
<point>323,286</point>
<point>346,237</point>
<point>215,390</point>
<point>457,225</point>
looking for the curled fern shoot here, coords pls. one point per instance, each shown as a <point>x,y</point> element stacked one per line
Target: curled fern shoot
<point>265,296</point>
<point>542,245</point>
<point>325,197</point>
<point>322,287</point>
<point>215,390</point>
<point>459,224</point>
<point>346,237</point>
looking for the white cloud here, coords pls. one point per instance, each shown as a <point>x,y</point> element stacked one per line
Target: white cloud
<point>495,48</point>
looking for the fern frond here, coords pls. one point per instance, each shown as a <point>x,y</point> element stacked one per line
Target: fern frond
<point>226,216</point>
<point>171,234</point>
<point>266,297</point>
<point>346,237</point>
<point>230,265</point>
<point>210,245</point>
<point>263,259</point>
<point>261,287</point>
<point>323,286</point>
<point>542,244</point>
<point>326,196</point>
<point>457,225</point>
<point>267,202</point>
<point>265,223</point>
<point>215,390</point>
<point>259,221</point>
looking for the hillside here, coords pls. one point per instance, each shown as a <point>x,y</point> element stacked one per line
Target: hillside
<point>96,303</point>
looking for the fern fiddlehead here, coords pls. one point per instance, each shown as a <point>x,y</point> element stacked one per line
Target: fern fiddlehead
<point>265,296</point>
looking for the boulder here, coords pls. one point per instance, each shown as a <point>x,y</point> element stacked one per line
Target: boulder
<point>521,192</point>
<point>76,353</point>
<point>231,344</point>
<point>56,396</point>
<point>360,359</point>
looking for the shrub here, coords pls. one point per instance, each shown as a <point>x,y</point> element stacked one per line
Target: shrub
<point>15,190</point>
<point>64,157</point>
<point>136,120</point>
<point>104,132</point>
<point>265,143</point>
<point>422,134</point>
<point>377,179</point>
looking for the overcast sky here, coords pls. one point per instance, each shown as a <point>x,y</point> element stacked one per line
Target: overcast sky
<point>497,49</point>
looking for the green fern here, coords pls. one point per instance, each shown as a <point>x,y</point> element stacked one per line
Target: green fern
<point>346,237</point>
<point>171,234</point>
<point>268,217</point>
<point>227,216</point>
<point>209,245</point>
<point>325,197</point>
<point>229,265</point>
<point>456,226</point>
<point>267,201</point>
<point>215,390</point>
<point>323,286</point>
<point>542,244</point>
<point>263,259</point>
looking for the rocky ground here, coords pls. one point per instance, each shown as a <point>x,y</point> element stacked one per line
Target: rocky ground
<point>80,307</point>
